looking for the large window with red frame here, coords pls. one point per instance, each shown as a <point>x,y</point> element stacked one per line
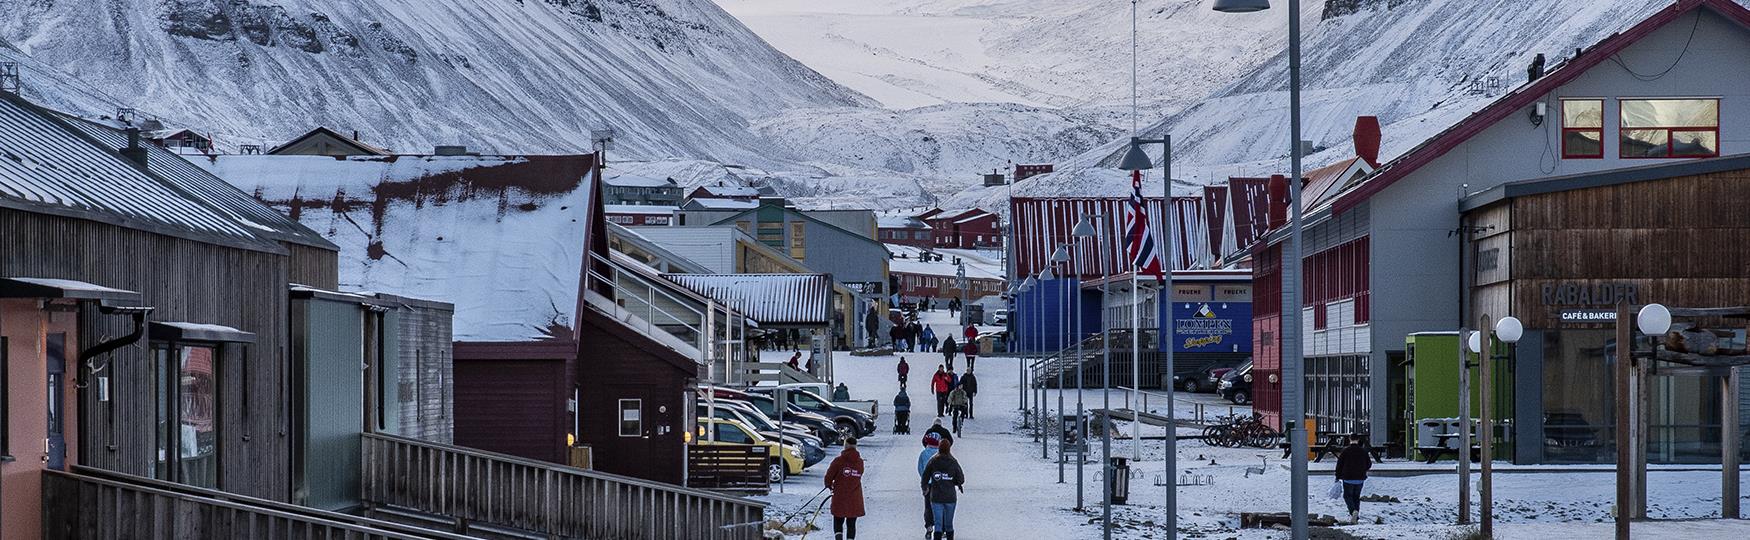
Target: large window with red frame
<point>1334,275</point>
<point>1670,128</point>
<point>1582,128</point>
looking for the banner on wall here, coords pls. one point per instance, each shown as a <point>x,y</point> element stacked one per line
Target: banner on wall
<point>1212,326</point>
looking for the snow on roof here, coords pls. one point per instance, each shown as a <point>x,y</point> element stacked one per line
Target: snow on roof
<point>731,191</point>
<point>502,237</point>
<point>974,216</point>
<point>47,164</point>
<point>900,222</point>
<point>633,180</point>
<point>639,209</point>
<point>799,299</point>
<point>723,204</point>
<point>976,268</point>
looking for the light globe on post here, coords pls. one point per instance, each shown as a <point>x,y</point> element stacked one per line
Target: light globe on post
<point>1474,342</point>
<point>1241,6</point>
<point>1654,320</point>
<point>1509,329</point>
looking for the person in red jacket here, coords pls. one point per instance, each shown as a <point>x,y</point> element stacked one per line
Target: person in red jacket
<point>845,479</point>
<point>940,383</point>
<point>904,369</point>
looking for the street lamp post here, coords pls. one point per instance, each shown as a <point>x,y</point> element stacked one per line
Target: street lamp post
<point>1508,330</point>
<point>1135,159</point>
<point>1292,402</point>
<point>1061,256</point>
<point>1083,230</point>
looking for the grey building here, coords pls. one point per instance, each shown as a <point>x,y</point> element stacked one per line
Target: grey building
<point>628,189</point>
<point>1395,233</point>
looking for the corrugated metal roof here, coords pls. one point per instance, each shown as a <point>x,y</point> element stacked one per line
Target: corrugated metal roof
<point>770,299</point>
<point>47,166</point>
<point>210,189</point>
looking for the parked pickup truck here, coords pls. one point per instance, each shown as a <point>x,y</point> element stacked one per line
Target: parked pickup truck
<point>849,421</point>
<point>873,407</point>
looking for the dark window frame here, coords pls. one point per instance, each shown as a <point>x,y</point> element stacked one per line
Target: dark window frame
<point>1670,144</point>
<point>620,409</point>
<point>1598,130</point>
<point>170,405</point>
<point>5,402</point>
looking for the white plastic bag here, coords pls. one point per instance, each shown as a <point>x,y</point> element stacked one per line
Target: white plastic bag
<point>1336,491</point>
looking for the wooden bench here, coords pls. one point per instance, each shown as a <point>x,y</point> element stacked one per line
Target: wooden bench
<point>728,467</point>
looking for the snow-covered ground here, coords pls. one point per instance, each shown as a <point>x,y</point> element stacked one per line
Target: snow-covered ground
<point>1012,493</point>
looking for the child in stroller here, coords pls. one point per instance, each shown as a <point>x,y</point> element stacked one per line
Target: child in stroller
<point>901,411</point>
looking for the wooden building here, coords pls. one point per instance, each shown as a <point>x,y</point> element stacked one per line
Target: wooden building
<point>326,142</point>
<point>99,228</point>
<point>1560,253</point>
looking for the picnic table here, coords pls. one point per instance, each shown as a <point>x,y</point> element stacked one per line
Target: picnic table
<point>1332,445</point>
<point>1442,449</point>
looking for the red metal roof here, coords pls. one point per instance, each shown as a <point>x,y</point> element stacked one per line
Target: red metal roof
<point>1453,136</point>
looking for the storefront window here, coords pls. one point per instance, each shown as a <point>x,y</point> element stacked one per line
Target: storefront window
<point>1338,393</point>
<point>186,406</point>
<point>1578,405</point>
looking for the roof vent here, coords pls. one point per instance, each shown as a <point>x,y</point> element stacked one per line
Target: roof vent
<point>9,77</point>
<point>1536,70</point>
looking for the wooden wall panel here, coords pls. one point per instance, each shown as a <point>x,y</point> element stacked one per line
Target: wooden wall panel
<point>1680,241</point>
<point>185,281</point>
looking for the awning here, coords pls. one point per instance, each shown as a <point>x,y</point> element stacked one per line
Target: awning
<point>27,287</point>
<point>770,299</point>
<point>187,331</point>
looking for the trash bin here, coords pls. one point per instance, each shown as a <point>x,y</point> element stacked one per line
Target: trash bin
<point>1119,483</point>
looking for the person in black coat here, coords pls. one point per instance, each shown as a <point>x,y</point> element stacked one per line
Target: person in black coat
<point>970,383</point>
<point>943,481</point>
<point>1352,467</point>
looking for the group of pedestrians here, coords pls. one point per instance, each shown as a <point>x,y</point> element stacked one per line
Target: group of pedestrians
<point>942,480</point>
<point>912,336</point>
<point>954,393</point>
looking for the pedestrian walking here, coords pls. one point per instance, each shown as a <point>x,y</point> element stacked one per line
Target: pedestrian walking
<point>796,361</point>
<point>939,431</point>
<point>845,479</point>
<point>871,325</point>
<point>929,340</point>
<point>932,441</point>
<point>901,412</point>
<point>841,393</point>
<point>949,349</point>
<point>1352,467</point>
<point>896,337</point>
<point>940,385</point>
<point>904,369</point>
<point>957,404</point>
<point>917,335</point>
<point>970,349</point>
<point>969,383</point>
<point>944,480</point>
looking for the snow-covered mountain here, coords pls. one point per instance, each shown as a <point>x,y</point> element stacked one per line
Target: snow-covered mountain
<point>674,78</point>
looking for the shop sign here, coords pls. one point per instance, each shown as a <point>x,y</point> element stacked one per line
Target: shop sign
<point>1590,294</point>
<point>1588,315</point>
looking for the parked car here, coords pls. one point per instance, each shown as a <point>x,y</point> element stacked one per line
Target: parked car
<point>849,422</point>
<point>730,432</point>
<point>817,425</point>
<point>812,449</point>
<point>1200,379</point>
<point>1236,385</point>
<point>1000,317</point>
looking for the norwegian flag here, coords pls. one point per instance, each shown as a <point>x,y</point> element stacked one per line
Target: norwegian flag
<point>1139,245</point>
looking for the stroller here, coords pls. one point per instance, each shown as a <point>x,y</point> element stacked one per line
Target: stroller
<point>902,411</point>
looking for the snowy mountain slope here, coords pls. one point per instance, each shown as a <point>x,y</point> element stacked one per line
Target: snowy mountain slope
<point>674,77</point>
<point>1053,53</point>
<point>1419,66</point>
<point>951,144</point>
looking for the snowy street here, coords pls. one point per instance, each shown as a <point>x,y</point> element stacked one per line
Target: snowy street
<point>1012,493</point>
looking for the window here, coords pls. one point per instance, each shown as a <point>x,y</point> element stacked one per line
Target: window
<point>631,418</point>
<point>1582,128</point>
<point>1664,128</point>
<point>798,240</point>
<point>187,411</point>
<point>728,433</point>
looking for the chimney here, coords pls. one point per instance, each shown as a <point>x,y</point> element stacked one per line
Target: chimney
<point>1367,138</point>
<point>355,134</point>
<point>134,152</point>
<point>1536,70</point>
<point>1278,200</point>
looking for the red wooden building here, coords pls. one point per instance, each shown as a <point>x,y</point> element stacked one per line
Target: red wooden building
<point>965,229</point>
<point>1042,223</point>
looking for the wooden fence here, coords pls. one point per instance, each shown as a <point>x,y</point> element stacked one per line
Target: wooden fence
<point>100,505</point>
<point>727,467</point>
<point>546,498</point>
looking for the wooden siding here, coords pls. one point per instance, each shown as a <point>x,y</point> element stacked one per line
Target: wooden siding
<point>1679,241</point>
<point>615,363</point>
<point>426,371</point>
<point>315,267</point>
<point>513,401</point>
<point>184,280</point>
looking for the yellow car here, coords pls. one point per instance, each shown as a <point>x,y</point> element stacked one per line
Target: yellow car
<point>736,433</point>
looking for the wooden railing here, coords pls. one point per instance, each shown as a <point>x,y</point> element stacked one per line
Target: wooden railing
<point>545,498</point>
<point>102,506</point>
